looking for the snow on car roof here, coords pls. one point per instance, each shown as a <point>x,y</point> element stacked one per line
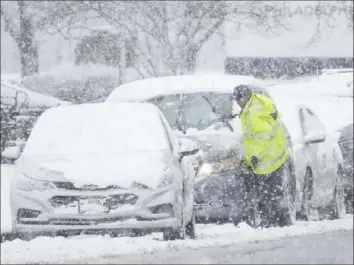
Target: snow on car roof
<point>152,87</point>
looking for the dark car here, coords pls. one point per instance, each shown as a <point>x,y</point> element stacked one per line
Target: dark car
<point>346,145</point>
<point>200,107</point>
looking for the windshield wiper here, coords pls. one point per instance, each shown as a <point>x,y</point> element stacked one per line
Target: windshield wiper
<point>224,118</point>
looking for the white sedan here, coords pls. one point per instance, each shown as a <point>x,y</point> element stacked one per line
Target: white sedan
<point>100,168</point>
<point>317,159</point>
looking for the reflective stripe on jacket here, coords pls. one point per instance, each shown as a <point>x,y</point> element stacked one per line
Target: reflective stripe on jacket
<point>263,136</point>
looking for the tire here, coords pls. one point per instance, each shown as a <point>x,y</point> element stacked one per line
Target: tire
<point>181,233</point>
<point>304,213</point>
<point>338,201</point>
<point>27,236</point>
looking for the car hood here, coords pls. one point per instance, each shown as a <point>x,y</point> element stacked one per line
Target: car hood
<point>215,145</point>
<point>122,170</point>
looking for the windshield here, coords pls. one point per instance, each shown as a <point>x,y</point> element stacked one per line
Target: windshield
<point>195,111</point>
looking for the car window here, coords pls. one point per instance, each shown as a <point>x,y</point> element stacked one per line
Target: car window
<point>169,107</point>
<point>311,122</point>
<point>193,110</point>
<point>196,112</point>
<point>222,102</point>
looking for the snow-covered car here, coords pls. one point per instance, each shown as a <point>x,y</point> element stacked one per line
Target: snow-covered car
<point>194,106</point>
<point>345,142</point>
<point>317,159</point>
<point>99,168</point>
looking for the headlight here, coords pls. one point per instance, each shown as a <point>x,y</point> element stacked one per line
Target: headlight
<point>217,167</point>
<point>27,184</point>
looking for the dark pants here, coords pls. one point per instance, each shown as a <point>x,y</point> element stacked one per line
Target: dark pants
<point>264,193</point>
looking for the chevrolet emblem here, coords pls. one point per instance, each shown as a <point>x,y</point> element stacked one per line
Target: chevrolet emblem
<point>90,187</point>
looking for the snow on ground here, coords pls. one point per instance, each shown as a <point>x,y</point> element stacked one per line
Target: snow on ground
<point>63,250</point>
<point>51,250</point>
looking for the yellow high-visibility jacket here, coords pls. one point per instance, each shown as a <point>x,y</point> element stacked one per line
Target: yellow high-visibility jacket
<point>263,136</point>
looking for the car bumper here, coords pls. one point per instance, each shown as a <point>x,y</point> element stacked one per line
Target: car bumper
<point>225,188</point>
<point>154,226</point>
<point>208,213</point>
<point>153,210</point>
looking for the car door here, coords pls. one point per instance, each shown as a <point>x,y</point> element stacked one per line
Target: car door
<point>322,159</point>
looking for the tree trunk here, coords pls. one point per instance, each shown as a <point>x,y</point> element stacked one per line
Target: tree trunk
<point>27,45</point>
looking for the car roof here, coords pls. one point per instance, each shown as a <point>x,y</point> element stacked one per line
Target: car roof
<point>168,85</point>
<point>118,108</point>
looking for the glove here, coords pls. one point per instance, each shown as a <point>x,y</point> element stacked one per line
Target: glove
<point>254,161</point>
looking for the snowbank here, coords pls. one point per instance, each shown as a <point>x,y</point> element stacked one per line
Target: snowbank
<point>79,248</point>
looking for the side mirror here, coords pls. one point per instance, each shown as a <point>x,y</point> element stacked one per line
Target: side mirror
<point>187,147</point>
<point>315,138</point>
<point>12,153</point>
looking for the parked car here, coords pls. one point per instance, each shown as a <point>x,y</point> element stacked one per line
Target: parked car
<point>192,105</point>
<point>317,160</point>
<point>98,168</point>
<point>346,145</point>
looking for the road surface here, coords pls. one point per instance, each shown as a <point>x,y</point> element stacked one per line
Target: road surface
<point>328,248</point>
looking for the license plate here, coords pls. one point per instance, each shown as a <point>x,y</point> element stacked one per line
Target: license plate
<point>93,205</point>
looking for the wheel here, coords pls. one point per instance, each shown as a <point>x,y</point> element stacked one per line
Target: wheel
<point>181,233</point>
<point>304,213</point>
<point>288,214</point>
<point>27,236</point>
<point>338,201</point>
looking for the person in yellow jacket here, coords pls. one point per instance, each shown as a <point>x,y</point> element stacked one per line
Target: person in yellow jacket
<point>265,152</point>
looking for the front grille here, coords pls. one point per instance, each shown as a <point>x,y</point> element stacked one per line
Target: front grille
<point>71,186</point>
<point>58,201</point>
<point>112,201</point>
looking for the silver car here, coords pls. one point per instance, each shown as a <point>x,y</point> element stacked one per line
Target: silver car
<point>104,168</point>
